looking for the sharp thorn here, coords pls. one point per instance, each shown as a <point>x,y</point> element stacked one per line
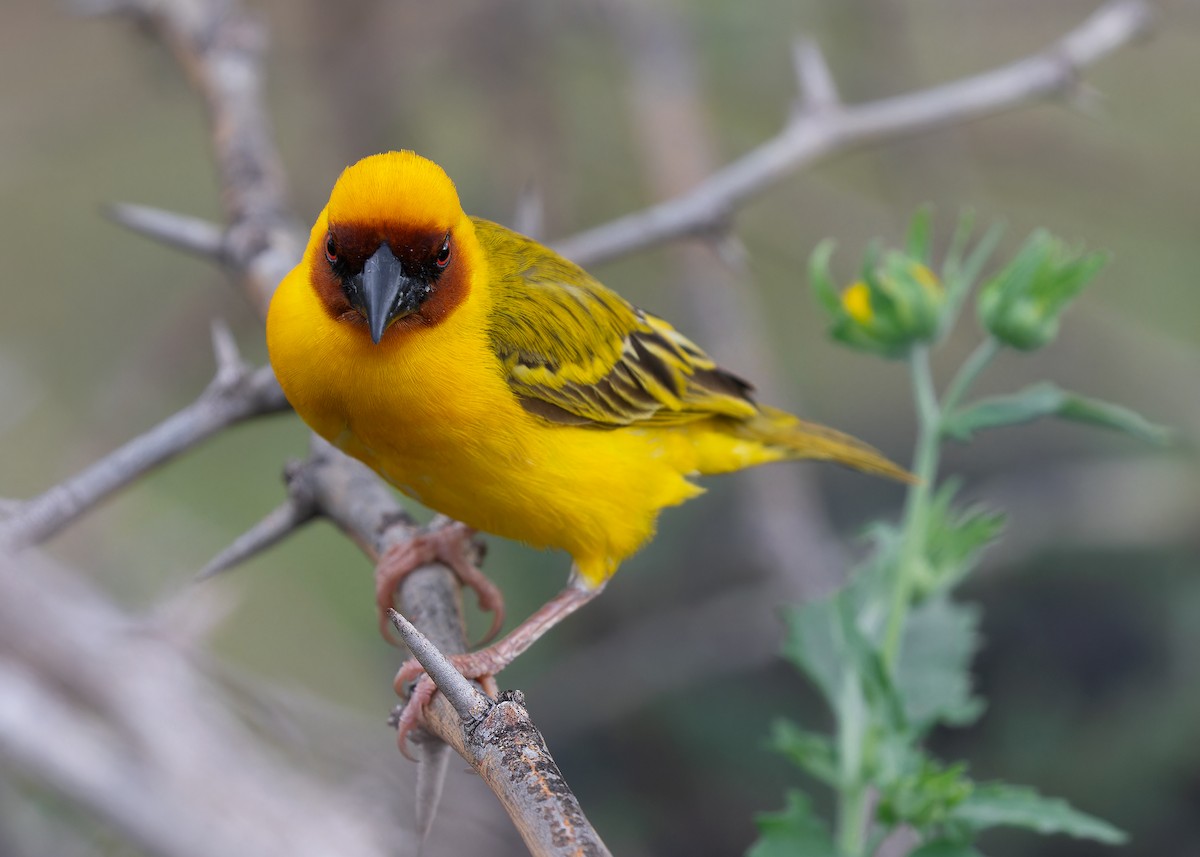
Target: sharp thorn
<point>230,366</point>
<point>818,92</point>
<point>277,525</point>
<point>470,704</point>
<point>191,234</point>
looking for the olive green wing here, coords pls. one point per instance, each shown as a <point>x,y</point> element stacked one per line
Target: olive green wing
<point>579,354</point>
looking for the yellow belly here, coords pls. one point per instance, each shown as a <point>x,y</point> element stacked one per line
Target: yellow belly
<point>594,493</point>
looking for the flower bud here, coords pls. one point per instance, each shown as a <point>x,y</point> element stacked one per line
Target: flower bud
<point>1022,304</point>
<point>897,303</point>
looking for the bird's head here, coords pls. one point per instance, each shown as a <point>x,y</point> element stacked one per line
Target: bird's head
<point>394,247</point>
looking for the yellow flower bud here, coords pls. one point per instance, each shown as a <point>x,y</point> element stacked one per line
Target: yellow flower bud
<point>857,301</point>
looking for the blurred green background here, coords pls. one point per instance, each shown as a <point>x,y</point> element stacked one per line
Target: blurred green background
<point>1092,605</point>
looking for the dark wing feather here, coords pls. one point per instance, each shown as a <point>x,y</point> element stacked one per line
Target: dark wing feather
<point>577,353</point>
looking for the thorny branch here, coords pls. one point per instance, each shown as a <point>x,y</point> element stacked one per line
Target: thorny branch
<point>220,47</point>
<point>823,126</point>
<point>100,707</point>
<point>237,393</point>
<point>502,744</point>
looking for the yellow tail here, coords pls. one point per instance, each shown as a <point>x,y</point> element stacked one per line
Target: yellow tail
<point>799,439</point>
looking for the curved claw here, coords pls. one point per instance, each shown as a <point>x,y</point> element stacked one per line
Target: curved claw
<point>483,665</point>
<point>412,715</point>
<point>450,545</point>
<point>490,601</point>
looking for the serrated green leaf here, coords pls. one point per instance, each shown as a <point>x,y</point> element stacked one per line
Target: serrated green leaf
<point>925,795</point>
<point>811,752</point>
<point>955,539</point>
<point>1046,400</point>
<point>1004,805</point>
<point>881,695</point>
<point>945,848</point>
<point>794,831</point>
<point>872,579</point>
<point>814,645</point>
<point>825,642</point>
<point>876,739</point>
<point>933,672</point>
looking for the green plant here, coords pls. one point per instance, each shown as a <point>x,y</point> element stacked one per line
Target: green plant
<point>891,652</point>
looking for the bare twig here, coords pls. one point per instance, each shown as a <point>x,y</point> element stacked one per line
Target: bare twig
<point>237,393</point>
<point>278,524</point>
<point>220,48</point>
<point>491,735</point>
<point>190,234</point>
<point>811,135</point>
<point>818,92</point>
<point>354,499</point>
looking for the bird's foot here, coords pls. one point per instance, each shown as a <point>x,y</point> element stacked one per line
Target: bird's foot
<point>481,666</point>
<point>485,663</point>
<point>452,545</point>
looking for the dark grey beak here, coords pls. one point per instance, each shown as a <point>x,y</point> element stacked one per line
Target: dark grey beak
<point>386,293</point>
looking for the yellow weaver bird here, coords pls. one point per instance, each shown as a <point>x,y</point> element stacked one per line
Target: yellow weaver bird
<point>494,381</point>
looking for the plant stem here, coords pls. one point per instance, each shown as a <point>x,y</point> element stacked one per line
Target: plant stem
<point>916,507</point>
<point>968,372</point>
<point>854,808</point>
<point>853,801</point>
<point>852,820</point>
<point>925,464</point>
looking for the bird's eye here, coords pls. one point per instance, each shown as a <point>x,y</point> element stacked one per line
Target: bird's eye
<point>443,256</point>
<point>331,249</point>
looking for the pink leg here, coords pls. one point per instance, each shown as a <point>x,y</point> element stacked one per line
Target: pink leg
<point>485,663</point>
<point>450,545</point>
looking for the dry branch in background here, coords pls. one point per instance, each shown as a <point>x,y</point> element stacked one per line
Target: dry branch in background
<point>822,126</point>
<point>87,733</point>
<point>237,393</point>
<point>103,710</point>
<point>220,47</point>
